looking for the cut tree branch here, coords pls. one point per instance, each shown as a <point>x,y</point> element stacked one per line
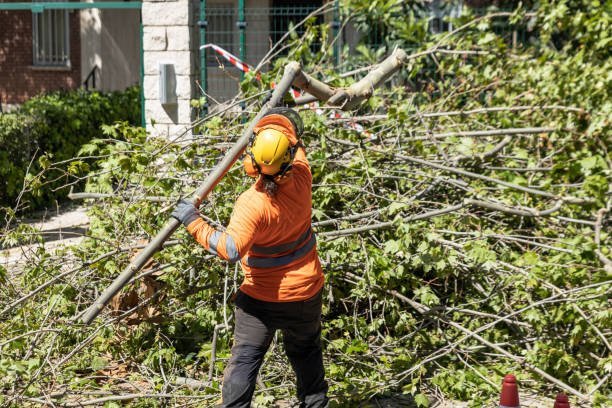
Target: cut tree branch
<point>422,309</point>
<point>568,199</point>
<point>372,118</point>
<point>85,196</point>
<point>487,133</point>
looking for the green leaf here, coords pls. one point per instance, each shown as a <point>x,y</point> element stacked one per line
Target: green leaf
<point>591,164</point>
<point>426,296</point>
<point>98,363</point>
<point>44,162</point>
<point>421,400</point>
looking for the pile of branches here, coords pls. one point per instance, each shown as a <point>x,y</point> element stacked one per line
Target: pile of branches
<point>462,227</point>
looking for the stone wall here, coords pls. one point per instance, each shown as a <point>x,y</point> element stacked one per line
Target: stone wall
<point>167,39</point>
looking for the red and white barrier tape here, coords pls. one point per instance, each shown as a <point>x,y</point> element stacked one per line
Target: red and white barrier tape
<point>352,124</point>
<point>244,67</point>
<point>234,60</point>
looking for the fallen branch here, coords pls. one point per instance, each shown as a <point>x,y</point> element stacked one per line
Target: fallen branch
<point>507,238</point>
<point>487,133</point>
<point>73,270</point>
<point>27,334</point>
<point>85,196</point>
<point>598,223</point>
<point>125,397</point>
<point>373,118</point>
<point>422,309</point>
<point>482,156</point>
<point>190,383</point>
<point>94,334</point>
<point>568,199</point>
<point>560,292</point>
<point>520,360</point>
<point>349,98</point>
<point>351,231</point>
<point>503,109</point>
<point>520,211</point>
<point>353,217</point>
<point>518,169</point>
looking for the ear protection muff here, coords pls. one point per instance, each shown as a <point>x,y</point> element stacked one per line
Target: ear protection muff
<point>251,168</point>
<point>287,166</point>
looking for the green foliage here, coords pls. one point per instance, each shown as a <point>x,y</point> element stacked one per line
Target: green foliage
<point>51,128</point>
<point>536,286</point>
<point>14,155</point>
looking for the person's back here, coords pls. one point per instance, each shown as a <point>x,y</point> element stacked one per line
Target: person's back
<point>282,263</point>
<point>270,233</point>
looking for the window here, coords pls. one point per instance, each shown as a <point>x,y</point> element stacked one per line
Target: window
<point>51,38</point>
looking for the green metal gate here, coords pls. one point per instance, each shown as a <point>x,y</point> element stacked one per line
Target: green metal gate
<point>248,33</point>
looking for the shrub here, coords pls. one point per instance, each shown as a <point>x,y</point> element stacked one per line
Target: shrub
<point>53,127</point>
<point>15,150</point>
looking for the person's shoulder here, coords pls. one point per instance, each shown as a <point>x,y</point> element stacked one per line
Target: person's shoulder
<point>301,169</point>
<point>300,156</point>
<point>249,204</point>
<point>254,196</point>
<point>250,196</point>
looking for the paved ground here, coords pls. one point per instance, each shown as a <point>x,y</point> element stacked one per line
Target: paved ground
<point>64,227</point>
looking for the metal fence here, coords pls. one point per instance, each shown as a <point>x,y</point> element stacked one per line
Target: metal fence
<point>251,32</point>
<point>249,39</point>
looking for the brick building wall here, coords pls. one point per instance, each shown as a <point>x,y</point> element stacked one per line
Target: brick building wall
<point>19,79</point>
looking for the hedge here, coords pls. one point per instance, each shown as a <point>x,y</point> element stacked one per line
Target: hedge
<point>49,128</point>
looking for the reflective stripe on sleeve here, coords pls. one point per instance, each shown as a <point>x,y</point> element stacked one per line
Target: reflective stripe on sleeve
<point>257,262</point>
<point>230,249</point>
<point>278,249</point>
<point>213,241</point>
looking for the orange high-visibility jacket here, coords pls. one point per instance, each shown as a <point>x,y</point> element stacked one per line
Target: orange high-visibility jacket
<point>272,237</point>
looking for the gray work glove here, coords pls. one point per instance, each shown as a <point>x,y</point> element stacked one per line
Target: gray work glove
<point>185,212</point>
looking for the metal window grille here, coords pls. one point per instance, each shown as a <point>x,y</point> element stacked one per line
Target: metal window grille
<point>51,37</point>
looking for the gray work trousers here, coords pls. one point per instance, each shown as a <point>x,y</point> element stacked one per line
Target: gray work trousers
<point>255,324</point>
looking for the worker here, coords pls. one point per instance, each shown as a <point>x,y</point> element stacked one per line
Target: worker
<point>270,234</point>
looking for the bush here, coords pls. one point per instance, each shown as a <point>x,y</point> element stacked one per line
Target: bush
<point>14,152</point>
<point>53,127</point>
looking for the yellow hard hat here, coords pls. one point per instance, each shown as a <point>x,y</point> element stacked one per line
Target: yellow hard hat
<point>270,152</point>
